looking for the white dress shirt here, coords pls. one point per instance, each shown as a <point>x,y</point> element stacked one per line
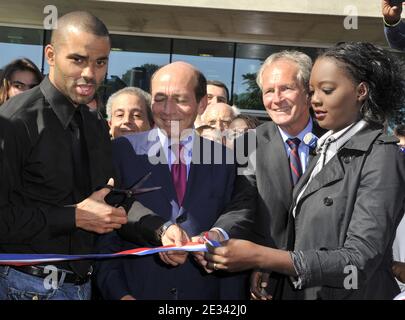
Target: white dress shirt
<point>187,142</point>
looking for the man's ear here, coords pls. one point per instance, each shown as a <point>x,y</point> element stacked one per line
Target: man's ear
<point>111,129</point>
<point>362,91</point>
<point>50,54</point>
<point>202,105</point>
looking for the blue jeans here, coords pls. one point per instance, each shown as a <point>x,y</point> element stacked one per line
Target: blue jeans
<point>16,285</point>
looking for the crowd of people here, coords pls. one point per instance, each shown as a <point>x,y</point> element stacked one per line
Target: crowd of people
<point>294,202</point>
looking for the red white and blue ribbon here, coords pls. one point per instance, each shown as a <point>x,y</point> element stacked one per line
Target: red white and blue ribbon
<point>23,259</point>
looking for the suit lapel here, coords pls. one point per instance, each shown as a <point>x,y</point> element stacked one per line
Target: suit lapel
<point>318,132</point>
<point>311,155</point>
<point>190,185</point>
<point>333,171</point>
<point>193,176</point>
<point>273,148</point>
<point>312,159</point>
<point>161,176</point>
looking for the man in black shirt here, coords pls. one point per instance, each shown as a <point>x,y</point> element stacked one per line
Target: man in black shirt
<point>55,154</point>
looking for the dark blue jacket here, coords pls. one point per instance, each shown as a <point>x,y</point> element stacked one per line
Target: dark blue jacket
<point>209,188</point>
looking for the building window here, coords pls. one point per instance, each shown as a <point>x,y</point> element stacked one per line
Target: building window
<point>214,59</point>
<point>249,58</point>
<point>18,43</point>
<point>133,60</point>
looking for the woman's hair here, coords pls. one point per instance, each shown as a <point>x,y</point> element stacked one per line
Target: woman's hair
<point>251,122</point>
<point>383,73</point>
<point>23,64</point>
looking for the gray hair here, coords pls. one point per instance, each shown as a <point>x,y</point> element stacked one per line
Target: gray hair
<point>137,92</point>
<point>303,61</point>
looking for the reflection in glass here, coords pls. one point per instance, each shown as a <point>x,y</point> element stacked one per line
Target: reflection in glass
<point>134,59</point>
<point>249,58</point>
<point>20,42</point>
<point>214,59</point>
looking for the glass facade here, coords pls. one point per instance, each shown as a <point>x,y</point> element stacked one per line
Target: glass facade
<point>18,43</point>
<point>249,58</point>
<point>133,60</point>
<point>214,59</point>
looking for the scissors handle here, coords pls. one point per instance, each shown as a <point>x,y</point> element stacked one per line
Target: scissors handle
<point>128,193</point>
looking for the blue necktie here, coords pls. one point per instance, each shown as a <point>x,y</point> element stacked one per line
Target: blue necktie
<point>295,162</point>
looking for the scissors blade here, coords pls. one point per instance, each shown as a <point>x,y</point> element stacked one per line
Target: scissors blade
<point>144,190</point>
<point>142,181</point>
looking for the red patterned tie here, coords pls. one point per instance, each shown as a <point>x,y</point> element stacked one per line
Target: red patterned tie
<point>179,172</point>
<point>295,162</point>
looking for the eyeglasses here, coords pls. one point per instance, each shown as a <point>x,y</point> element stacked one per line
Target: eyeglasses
<point>22,86</point>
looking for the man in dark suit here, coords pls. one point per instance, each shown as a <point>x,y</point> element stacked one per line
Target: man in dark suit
<point>278,154</point>
<point>196,185</point>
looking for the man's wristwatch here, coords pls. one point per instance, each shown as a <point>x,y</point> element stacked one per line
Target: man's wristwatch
<point>163,229</point>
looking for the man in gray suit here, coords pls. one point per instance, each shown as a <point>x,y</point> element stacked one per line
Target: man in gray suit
<point>262,197</point>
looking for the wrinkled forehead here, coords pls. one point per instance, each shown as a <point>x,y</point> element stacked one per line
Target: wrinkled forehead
<point>281,71</point>
<point>218,112</point>
<point>128,101</point>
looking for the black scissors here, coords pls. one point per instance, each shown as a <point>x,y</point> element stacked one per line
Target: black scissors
<point>134,190</point>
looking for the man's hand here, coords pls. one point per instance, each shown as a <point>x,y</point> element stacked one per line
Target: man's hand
<point>259,281</point>
<point>177,236</point>
<point>199,256</point>
<point>391,14</point>
<point>398,268</point>
<point>94,214</point>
